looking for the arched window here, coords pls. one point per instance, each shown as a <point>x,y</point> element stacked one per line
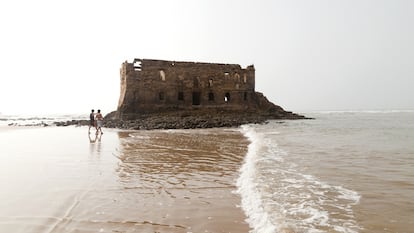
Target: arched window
<point>237,76</point>
<point>227,97</point>
<point>162,75</point>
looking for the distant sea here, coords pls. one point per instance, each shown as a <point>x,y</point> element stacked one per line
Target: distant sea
<point>341,172</point>
<point>37,120</point>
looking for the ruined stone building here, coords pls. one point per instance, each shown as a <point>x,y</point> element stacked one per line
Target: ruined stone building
<point>149,86</point>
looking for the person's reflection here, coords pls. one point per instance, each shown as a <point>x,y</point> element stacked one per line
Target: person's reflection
<point>95,140</point>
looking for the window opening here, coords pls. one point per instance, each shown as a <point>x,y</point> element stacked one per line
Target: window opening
<point>245,96</point>
<point>237,76</point>
<point>227,97</point>
<point>161,95</point>
<point>162,75</point>
<point>211,96</point>
<point>180,95</point>
<point>210,82</point>
<point>137,65</point>
<point>196,98</point>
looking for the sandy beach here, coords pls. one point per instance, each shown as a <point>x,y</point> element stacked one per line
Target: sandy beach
<point>60,179</point>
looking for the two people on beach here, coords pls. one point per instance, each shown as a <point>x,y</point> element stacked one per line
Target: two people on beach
<point>96,121</point>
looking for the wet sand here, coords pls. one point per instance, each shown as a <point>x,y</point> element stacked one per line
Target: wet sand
<point>60,179</point>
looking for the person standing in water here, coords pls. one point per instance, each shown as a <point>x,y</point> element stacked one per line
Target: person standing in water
<point>92,122</point>
<point>99,122</point>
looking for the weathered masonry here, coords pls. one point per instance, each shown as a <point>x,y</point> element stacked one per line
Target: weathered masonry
<point>149,86</point>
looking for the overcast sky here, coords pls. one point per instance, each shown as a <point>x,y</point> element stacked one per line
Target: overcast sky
<point>64,56</point>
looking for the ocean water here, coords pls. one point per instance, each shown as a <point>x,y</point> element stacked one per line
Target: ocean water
<point>38,120</point>
<point>341,172</point>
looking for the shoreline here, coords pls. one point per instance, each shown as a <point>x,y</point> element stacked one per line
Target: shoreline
<point>198,119</point>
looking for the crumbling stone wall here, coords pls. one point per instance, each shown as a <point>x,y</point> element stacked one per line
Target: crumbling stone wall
<point>149,86</point>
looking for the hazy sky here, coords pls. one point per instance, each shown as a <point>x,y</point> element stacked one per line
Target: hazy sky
<point>64,56</point>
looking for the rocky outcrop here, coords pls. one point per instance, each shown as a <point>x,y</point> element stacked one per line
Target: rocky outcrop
<point>197,118</point>
<point>194,119</point>
<point>203,118</point>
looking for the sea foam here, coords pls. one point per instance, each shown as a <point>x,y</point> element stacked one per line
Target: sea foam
<point>278,197</point>
<point>252,204</point>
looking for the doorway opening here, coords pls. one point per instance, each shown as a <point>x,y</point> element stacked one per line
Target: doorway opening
<point>196,98</point>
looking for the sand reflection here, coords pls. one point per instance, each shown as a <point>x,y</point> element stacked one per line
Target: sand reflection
<point>95,144</point>
<point>184,178</point>
<point>187,158</point>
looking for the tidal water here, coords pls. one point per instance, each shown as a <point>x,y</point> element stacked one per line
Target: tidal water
<point>342,172</point>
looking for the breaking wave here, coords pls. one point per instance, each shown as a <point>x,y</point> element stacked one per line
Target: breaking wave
<point>278,197</point>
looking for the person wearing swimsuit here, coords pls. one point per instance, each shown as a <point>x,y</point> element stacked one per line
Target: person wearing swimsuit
<point>92,122</point>
<point>99,122</point>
